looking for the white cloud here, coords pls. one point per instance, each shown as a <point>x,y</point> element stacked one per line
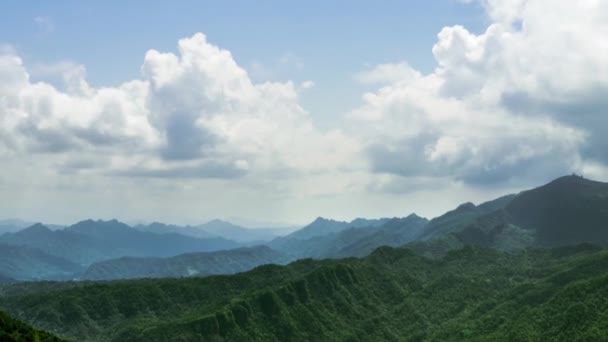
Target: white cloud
<point>519,100</point>
<point>196,113</point>
<point>387,73</point>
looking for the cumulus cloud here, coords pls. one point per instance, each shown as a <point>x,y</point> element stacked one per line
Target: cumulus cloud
<point>524,99</point>
<point>193,114</point>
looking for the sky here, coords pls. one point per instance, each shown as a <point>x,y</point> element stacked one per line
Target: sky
<point>272,113</point>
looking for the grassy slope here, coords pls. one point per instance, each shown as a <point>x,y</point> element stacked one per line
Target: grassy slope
<point>473,294</point>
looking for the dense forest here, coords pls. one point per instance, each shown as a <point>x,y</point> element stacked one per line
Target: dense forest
<point>473,293</point>
<point>12,329</point>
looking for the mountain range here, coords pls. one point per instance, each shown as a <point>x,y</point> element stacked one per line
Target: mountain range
<point>527,266</point>
<point>567,210</point>
<point>184,265</point>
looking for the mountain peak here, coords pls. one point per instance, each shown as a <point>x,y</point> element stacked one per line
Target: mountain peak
<point>571,179</point>
<point>37,228</point>
<point>321,219</point>
<point>414,216</point>
<point>467,205</point>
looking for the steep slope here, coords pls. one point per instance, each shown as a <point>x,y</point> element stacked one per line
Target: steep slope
<point>394,233</point>
<point>459,218</point>
<point>393,294</point>
<point>14,330</point>
<point>566,211</point>
<point>185,265</point>
<point>23,263</point>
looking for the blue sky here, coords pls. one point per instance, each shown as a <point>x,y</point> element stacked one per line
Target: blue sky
<point>324,41</point>
<point>273,111</point>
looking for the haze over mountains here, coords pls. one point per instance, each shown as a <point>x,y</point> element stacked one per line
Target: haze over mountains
<point>488,250</point>
<point>541,217</point>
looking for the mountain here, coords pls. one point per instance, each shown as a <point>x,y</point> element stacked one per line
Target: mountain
<point>459,218</point>
<point>77,248</point>
<point>322,226</point>
<point>393,294</point>
<point>4,279</point>
<point>394,233</point>
<point>317,238</point>
<point>90,241</point>
<point>185,265</point>
<point>14,330</point>
<point>568,210</point>
<point>161,228</point>
<point>22,263</point>
<point>359,240</point>
<point>13,225</point>
<point>233,232</point>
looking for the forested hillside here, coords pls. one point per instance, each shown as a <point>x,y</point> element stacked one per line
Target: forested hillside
<point>393,294</point>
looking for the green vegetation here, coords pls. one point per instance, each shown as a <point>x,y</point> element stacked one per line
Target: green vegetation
<point>470,294</point>
<point>15,330</point>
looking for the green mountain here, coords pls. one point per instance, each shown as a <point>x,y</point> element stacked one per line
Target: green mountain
<point>393,294</point>
<point>185,265</point>
<point>17,331</point>
<point>459,218</point>
<point>566,211</point>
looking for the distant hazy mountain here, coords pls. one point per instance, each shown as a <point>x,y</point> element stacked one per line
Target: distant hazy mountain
<point>185,265</point>
<point>13,225</point>
<point>394,233</point>
<point>90,241</point>
<point>325,238</point>
<point>322,226</point>
<point>216,228</point>
<point>161,228</point>
<point>25,263</point>
<point>231,231</point>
